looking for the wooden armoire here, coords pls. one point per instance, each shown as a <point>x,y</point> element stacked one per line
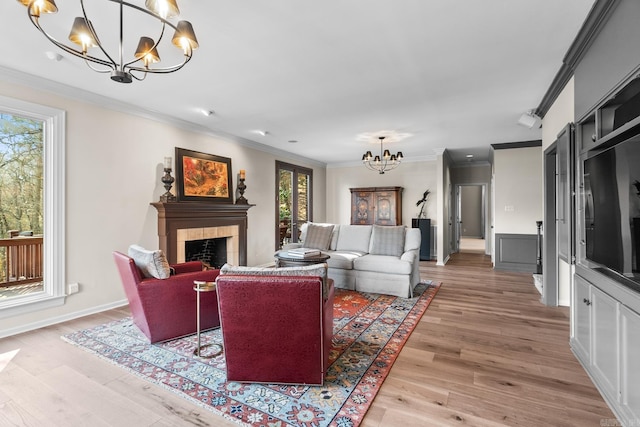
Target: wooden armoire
<point>376,205</point>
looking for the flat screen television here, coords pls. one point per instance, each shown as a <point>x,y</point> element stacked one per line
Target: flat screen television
<point>612,210</point>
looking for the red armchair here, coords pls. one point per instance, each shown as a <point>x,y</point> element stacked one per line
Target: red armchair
<point>166,308</point>
<point>275,329</point>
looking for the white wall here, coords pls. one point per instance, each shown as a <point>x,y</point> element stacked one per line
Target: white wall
<point>113,170</point>
<point>414,177</point>
<point>518,190</point>
<point>560,113</point>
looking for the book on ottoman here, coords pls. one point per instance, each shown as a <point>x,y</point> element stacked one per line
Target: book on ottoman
<point>303,253</point>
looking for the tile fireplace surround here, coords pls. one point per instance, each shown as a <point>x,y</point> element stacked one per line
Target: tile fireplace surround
<point>182,221</point>
<point>230,232</point>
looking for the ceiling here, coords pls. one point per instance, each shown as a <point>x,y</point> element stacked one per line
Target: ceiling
<point>454,74</point>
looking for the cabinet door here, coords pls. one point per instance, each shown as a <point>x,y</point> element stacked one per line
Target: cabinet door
<point>630,349</point>
<point>581,322</point>
<point>564,189</point>
<point>362,208</point>
<point>605,355</point>
<point>386,206</point>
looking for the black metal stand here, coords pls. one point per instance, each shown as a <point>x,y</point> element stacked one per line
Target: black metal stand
<point>539,248</point>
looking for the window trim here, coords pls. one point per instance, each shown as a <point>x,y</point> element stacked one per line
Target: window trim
<point>54,243</point>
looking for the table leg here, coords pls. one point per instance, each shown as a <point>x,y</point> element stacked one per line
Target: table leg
<point>198,322</point>
<point>198,350</point>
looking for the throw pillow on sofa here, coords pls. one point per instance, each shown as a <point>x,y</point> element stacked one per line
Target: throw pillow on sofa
<point>318,236</point>
<point>151,263</point>
<point>354,238</point>
<point>387,240</point>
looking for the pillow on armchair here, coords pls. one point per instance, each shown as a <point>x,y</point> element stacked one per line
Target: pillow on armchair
<point>319,270</point>
<point>150,263</point>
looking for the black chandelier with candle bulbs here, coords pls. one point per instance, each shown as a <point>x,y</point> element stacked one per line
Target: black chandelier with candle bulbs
<point>84,35</point>
<point>384,162</point>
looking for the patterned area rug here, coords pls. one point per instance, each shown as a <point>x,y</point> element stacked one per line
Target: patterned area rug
<point>369,332</point>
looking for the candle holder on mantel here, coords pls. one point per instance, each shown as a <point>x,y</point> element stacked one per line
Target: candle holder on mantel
<point>241,188</point>
<point>167,180</point>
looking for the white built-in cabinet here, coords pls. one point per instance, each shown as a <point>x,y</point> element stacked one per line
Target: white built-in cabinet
<point>630,357</point>
<point>605,336</point>
<point>581,319</point>
<point>605,349</point>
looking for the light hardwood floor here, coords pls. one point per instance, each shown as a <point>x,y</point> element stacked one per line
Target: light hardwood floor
<point>486,353</point>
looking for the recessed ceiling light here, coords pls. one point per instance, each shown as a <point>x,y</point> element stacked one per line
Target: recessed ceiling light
<point>207,112</point>
<point>293,141</point>
<point>262,132</point>
<point>469,156</point>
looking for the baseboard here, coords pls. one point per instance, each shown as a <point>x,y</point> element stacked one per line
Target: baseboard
<point>537,281</point>
<point>59,319</point>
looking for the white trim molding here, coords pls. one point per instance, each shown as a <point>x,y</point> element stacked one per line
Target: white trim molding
<point>54,208</point>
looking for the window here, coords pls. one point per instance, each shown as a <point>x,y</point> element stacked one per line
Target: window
<point>294,201</point>
<point>52,122</point>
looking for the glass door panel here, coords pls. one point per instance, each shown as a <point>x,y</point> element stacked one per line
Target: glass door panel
<point>293,201</point>
<point>285,206</point>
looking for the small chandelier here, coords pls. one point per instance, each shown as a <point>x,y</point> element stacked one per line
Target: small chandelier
<point>84,35</point>
<point>384,162</point>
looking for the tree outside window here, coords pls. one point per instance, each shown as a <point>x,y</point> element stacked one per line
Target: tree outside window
<point>21,180</point>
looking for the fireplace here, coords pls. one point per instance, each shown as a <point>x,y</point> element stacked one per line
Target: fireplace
<point>212,252</point>
<point>182,222</point>
<point>194,237</point>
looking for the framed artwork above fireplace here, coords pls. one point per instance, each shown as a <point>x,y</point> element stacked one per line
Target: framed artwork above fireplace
<point>203,177</point>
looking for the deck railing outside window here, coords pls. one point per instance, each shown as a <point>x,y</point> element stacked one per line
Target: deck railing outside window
<point>20,260</point>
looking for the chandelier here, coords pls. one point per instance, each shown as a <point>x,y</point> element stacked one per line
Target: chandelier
<point>384,162</point>
<point>84,35</point>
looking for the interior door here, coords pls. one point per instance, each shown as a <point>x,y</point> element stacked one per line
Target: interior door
<point>458,227</point>
<point>293,201</point>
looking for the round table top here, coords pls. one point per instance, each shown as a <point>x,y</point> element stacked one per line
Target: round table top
<point>284,255</point>
<point>203,286</point>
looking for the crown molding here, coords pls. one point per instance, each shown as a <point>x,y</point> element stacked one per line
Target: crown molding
<point>522,144</point>
<point>76,94</point>
<point>597,17</point>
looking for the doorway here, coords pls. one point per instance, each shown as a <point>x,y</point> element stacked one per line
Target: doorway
<point>549,289</point>
<point>470,229</point>
<point>294,201</point>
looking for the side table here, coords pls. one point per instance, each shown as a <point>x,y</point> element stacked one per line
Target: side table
<point>203,286</point>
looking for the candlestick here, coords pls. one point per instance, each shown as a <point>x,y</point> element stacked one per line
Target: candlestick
<point>241,187</point>
<point>167,162</point>
<point>242,174</point>
<point>167,180</point>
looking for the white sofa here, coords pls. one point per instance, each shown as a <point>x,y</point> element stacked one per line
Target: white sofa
<point>370,258</point>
